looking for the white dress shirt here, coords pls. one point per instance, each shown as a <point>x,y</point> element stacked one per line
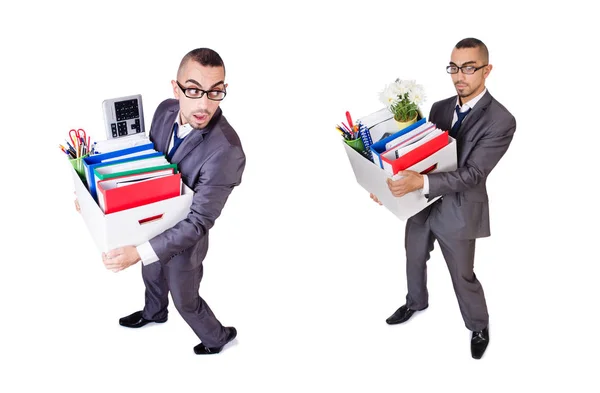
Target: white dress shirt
<point>465,107</point>
<point>145,250</point>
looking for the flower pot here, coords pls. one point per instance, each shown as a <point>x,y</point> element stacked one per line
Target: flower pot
<point>404,124</point>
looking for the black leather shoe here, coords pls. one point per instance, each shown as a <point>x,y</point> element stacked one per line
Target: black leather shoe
<point>401,315</point>
<point>136,320</point>
<point>200,349</point>
<point>479,342</point>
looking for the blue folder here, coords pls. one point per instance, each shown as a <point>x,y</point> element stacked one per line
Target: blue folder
<point>97,160</point>
<point>378,147</point>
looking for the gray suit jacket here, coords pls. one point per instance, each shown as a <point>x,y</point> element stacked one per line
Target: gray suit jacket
<point>211,162</point>
<point>483,139</point>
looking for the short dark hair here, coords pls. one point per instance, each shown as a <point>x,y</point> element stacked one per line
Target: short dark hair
<point>204,56</point>
<point>474,43</point>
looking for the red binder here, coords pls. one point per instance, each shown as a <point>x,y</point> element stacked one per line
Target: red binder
<point>418,154</point>
<point>141,193</point>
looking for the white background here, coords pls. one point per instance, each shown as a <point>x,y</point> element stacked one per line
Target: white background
<point>286,264</point>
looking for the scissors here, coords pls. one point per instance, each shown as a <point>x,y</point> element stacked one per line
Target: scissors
<point>77,136</point>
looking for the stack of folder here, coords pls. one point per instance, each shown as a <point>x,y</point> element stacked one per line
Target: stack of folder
<point>125,178</point>
<point>409,146</point>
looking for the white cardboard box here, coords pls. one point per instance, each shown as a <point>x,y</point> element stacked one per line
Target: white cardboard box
<point>133,226</point>
<point>374,179</point>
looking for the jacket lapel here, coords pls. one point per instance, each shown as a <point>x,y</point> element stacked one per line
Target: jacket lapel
<point>165,138</point>
<point>476,113</point>
<point>448,116</point>
<point>467,130</point>
<point>194,139</point>
<point>189,143</point>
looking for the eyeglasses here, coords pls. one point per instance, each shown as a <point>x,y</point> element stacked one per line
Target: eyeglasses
<point>195,93</point>
<point>468,70</point>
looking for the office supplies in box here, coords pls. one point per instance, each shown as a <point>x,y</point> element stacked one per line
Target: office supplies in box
<point>373,177</point>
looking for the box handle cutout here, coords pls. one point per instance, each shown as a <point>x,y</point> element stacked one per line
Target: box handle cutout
<point>150,219</point>
<point>431,168</point>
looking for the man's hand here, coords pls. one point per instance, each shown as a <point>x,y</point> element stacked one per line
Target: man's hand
<point>120,258</point>
<point>373,197</point>
<point>410,182</point>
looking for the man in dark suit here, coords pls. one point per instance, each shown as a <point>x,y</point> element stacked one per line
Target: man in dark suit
<point>195,135</point>
<point>483,129</point>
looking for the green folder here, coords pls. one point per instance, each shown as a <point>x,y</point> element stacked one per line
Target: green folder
<point>104,172</point>
<point>104,176</point>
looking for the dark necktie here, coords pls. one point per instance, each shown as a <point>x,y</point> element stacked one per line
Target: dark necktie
<point>176,142</point>
<point>461,116</point>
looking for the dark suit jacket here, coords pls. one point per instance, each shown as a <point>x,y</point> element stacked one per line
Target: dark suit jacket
<point>211,162</point>
<point>483,138</point>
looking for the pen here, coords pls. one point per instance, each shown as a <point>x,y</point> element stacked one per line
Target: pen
<point>346,127</point>
<point>346,134</point>
<point>64,150</point>
<point>70,147</point>
<point>71,150</point>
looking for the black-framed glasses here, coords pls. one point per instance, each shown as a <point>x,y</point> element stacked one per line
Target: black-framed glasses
<point>468,70</point>
<point>196,92</point>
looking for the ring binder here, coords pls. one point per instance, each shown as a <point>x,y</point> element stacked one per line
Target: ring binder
<point>365,135</point>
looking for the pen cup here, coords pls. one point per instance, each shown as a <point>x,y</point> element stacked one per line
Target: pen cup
<point>356,144</point>
<point>78,166</point>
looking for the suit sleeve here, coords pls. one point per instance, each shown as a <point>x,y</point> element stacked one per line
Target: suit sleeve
<point>219,175</point>
<point>484,156</point>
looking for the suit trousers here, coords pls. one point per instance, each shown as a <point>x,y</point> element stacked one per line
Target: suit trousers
<point>460,257</point>
<point>182,279</point>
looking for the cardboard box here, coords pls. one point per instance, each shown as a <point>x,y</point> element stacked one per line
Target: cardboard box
<point>132,226</point>
<point>374,179</point>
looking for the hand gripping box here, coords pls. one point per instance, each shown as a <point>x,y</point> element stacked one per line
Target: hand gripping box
<point>133,226</point>
<point>374,179</point>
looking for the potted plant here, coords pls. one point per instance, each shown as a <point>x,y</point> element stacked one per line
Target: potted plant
<point>402,98</point>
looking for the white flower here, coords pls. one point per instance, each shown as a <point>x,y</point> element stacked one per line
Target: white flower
<point>389,95</point>
<point>407,86</point>
<point>417,94</point>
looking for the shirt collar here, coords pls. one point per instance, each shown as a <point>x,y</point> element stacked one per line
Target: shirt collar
<point>471,104</point>
<point>182,130</point>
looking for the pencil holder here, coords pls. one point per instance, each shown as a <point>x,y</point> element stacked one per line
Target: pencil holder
<point>356,144</point>
<point>78,166</point>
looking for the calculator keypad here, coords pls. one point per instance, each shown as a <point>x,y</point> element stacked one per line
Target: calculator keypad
<point>122,128</point>
<point>126,110</point>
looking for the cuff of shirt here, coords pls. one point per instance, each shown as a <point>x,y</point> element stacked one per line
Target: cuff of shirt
<point>147,254</point>
<point>425,185</point>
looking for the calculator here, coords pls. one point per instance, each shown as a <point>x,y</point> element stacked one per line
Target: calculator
<point>123,116</point>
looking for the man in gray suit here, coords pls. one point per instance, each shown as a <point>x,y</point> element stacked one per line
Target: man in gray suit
<point>483,129</point>
<point>195,135</point>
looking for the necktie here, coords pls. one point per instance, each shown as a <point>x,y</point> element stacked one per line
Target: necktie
<point>456,126</point>
<point>176,142</point>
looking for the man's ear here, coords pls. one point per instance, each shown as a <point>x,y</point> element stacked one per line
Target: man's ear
<point>175,89</point>
<point>488,69</point>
